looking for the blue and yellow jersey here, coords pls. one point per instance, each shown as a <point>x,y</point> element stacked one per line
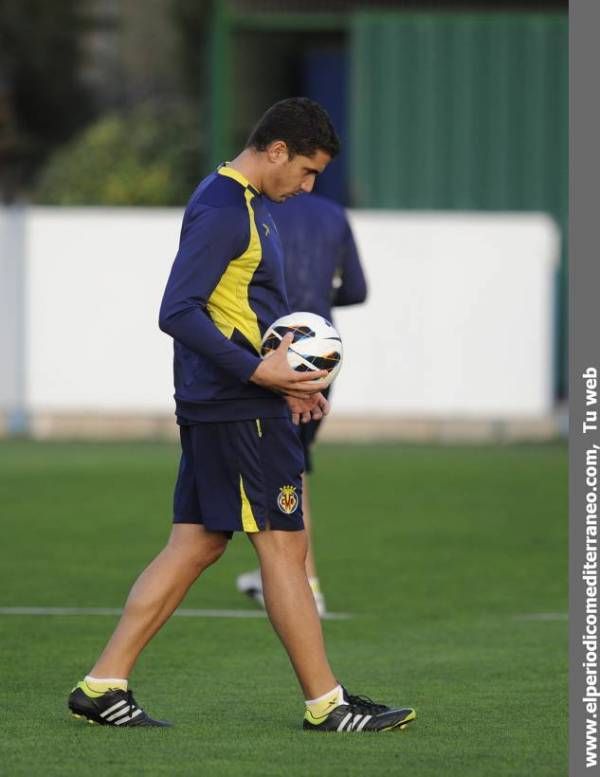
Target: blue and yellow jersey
<point>225,288</point>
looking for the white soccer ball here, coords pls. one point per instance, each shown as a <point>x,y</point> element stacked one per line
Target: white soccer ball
<point>316,344</point>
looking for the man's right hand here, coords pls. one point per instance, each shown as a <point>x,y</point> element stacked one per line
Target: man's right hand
<point>275,373</point>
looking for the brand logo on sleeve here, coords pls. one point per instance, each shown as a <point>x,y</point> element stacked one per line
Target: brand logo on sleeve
<point>267,229</point>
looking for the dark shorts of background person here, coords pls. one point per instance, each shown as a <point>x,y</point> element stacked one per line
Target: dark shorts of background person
<point>240,476</point>
<point>307,433</point>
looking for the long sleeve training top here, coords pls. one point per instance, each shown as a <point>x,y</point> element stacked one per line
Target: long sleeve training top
<point>225,288</point>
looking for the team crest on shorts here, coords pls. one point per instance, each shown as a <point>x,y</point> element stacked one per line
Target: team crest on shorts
<point>287,501</point>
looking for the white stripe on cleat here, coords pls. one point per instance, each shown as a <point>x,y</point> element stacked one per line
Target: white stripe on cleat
<point>113,708</point>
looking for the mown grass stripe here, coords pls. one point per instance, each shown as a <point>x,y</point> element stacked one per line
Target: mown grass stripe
<point>185,613</point>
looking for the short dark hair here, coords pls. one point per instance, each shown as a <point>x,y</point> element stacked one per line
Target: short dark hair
<point>302,123</point>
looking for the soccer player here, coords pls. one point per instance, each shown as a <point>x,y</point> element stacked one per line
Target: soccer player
<point>322,270</point>
<point>241,461</point>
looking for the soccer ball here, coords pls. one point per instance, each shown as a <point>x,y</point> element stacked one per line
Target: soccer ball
<point>316,344</point>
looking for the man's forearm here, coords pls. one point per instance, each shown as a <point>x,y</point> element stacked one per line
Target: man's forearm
<point>194,329</point>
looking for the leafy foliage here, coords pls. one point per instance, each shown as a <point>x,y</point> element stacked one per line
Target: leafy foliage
<point>149,156</point>
<point>43,99</point>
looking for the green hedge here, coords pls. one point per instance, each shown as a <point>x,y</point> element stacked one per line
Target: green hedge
<point>153,155</point>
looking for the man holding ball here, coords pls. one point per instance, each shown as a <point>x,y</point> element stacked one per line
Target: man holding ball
<point>241,458</point>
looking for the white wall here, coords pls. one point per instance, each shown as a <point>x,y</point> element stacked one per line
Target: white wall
<point>12,249</point>
<point>458,323</point>
<point>96,278</point>
<point>460,316</point>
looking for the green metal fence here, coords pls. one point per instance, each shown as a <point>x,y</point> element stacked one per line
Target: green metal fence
<point>462,111</point>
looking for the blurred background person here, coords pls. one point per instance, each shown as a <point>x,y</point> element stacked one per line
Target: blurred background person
<point>322,271</point>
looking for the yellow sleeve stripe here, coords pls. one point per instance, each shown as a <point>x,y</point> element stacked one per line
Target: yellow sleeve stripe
<point>248,521</point>
<point>229,304</point>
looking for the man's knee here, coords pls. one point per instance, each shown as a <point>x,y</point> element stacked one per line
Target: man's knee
<point>291,545</point>
<point>212,552</point>
<point>196,546</point>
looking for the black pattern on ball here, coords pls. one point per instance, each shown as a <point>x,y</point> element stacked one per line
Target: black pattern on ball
<point>272,342</point>
<point>300,332</point>
<point>326,362</point>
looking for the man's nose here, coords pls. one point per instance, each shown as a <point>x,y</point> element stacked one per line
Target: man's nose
<point>307,185</point>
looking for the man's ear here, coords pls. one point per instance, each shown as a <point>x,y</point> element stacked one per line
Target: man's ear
<point>277,151</point>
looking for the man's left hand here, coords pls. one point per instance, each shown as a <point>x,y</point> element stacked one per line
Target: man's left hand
<point>311,408</point>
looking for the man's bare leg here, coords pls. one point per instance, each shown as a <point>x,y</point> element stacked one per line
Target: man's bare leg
<point>311,567</point>
<point>156,594</point>
<point>250,582</point>
<point>291,607</point>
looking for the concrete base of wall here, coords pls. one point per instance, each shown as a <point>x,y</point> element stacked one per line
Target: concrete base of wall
<point>338,428</point>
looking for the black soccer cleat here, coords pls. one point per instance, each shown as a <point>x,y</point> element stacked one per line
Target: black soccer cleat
<point>113,708</point>
<point>359,713</point>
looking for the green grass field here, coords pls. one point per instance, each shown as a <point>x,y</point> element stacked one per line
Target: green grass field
<point>438,553</point>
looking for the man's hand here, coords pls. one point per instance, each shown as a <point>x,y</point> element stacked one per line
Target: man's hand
<point>275,373</point>
<point>312,408</point>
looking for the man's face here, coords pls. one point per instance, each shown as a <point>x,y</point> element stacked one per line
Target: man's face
<point>286,177</point>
